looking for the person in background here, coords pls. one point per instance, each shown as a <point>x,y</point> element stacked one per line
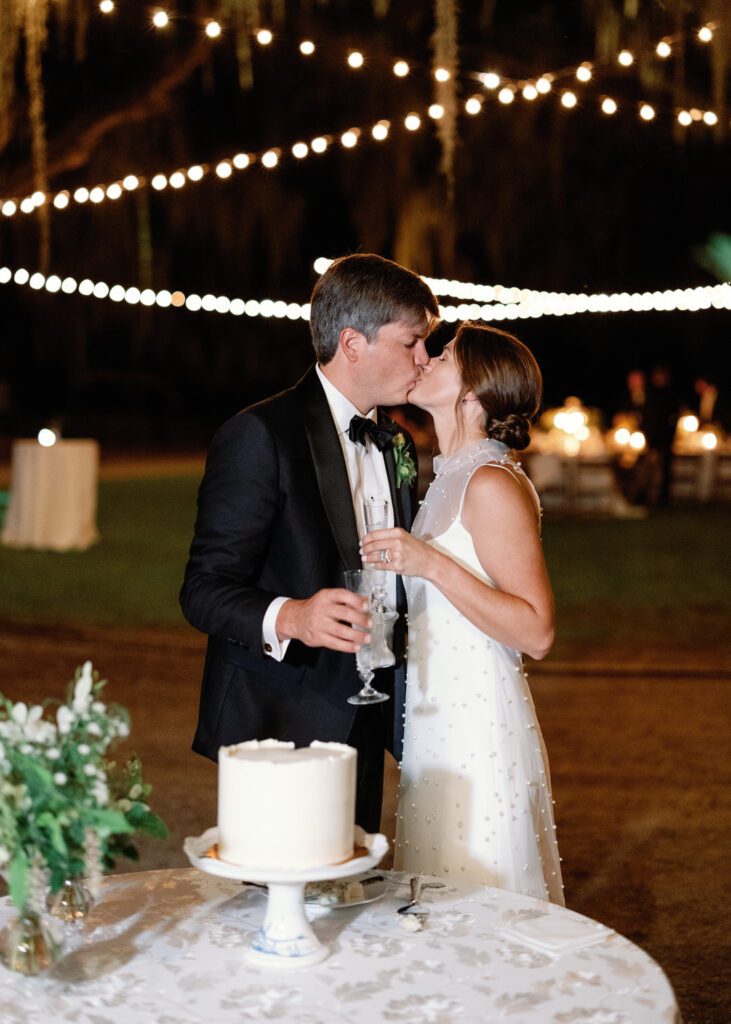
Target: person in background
<point>659,420</point>
<point>711,408</point>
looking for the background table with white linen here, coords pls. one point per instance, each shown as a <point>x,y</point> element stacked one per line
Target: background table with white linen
<point>168,947</point>
<point>53,495</point>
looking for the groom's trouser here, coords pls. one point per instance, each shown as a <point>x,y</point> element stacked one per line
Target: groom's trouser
<point>368,736</point>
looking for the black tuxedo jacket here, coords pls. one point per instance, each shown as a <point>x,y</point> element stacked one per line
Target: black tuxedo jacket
<point>275,517</point>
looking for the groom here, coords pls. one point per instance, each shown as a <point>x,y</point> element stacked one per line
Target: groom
<point>280,513</point>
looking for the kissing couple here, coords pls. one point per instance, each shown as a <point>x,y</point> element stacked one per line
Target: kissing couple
<point>281,518</point>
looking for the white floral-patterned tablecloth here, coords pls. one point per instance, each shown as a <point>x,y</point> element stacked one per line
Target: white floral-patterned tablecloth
<point>166,947</point>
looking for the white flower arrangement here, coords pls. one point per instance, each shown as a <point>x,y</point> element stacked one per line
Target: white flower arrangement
<point>65,810</point>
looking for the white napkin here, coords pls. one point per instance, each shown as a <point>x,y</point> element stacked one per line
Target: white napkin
<point>557,932</point>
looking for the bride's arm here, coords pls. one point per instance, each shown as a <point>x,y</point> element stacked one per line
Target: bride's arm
<point>501,518</point>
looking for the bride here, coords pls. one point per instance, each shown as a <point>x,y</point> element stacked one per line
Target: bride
<point>475,798</point>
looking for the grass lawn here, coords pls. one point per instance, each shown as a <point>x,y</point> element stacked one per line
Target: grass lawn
<point>661,582</point>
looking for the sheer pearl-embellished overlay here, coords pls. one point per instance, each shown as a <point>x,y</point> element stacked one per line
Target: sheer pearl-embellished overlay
<point>475,799</point>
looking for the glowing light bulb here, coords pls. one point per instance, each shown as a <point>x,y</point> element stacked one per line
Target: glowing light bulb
<point>177,179</point>
<point>160,19</point>
<point>195,173</point>
<point>159,182</point>
<point>684,118</point>
<point>663,49</point>
<point>21,276</point>
<point>473,105</point>
<point>47,437</point>
<point>307,47</point>
<point>622,435</point>
<point>97,194</point>
<point>544,84</point>
<point>130,182</point>
<point>81,194</point>
<point>568,99</point>
<point>241,161</point>
<point>435,111</point>
<point>647,112</point>
<point>530,92</point>
<point>270,158</point>
<point>689,423</point>
<point>106,6</point>
<point>319,145</point>
<point>355,59</point>
<point>506,95</point>
<point>9,208</point>
<point>625,58</point>
<point>300,150</point>
<point>213,30</point>
<point>379,131</point>
<point>442,75</point>
<point>224,169</point>
<point>349,139</point>
<point>264,37</point>
<point>609,106</point>
<point>38,198</point>
<point>709,440</point>
<point>491,80</point>
<point>412,122</point>
<point>61,201</point>
<point>583,72</point>
<point>114,191</point>
<point>705,34</point>
<point>710,118</point>
<point>401,69</point>
<point>637,440</point>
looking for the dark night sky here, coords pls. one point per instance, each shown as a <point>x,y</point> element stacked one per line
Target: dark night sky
<point>544,198</point>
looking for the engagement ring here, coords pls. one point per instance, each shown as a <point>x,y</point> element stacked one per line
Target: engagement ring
<point>385,556</point>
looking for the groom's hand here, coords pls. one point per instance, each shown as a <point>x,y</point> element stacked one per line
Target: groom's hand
<point>336,619</point>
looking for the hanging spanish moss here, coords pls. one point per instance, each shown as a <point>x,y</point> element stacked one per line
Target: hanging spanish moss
<point>36,31</point>
<point>445,59</point>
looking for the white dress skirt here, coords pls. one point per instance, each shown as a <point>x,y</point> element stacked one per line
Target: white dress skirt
<point>475,797</point>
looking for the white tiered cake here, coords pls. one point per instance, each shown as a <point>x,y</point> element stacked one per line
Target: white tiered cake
<point>285,808</point>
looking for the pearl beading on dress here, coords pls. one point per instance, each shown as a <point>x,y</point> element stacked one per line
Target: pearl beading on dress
<point>475,795</point>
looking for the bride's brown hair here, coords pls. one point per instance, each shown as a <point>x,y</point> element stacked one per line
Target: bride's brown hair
<point>505,378</point>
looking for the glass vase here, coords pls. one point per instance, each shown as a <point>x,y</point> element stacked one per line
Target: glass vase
<point>72,903</point>
<point>29,944</point>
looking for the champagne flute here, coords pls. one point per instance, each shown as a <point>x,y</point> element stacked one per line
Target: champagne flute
<point>375,511</point>
<point>360,581</point>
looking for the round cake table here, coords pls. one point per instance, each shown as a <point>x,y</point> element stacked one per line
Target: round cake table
<point>167,947</point>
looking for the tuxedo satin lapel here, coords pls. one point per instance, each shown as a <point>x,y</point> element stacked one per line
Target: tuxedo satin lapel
<point>332,475</point>
<point>396,495</point>
<point>399,494</point>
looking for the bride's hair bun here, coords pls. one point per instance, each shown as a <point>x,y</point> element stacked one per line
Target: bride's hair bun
<point>504,377</point>
<point>513,430</point>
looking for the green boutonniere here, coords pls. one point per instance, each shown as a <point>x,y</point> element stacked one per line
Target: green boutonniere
<point>405,466</point>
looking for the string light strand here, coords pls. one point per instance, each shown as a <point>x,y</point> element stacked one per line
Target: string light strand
<point>538,304</point>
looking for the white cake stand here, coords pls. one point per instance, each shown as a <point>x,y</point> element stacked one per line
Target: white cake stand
<point>286,939</point>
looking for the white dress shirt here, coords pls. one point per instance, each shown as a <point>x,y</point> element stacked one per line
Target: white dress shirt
<point>368,479</point>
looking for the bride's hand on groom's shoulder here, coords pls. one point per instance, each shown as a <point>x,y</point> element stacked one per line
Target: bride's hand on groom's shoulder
<point>404,554</point>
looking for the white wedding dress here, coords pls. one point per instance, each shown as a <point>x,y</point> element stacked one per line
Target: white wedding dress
<point>475,797</point>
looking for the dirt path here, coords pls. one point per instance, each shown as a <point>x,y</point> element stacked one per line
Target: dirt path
<point>640,777</point>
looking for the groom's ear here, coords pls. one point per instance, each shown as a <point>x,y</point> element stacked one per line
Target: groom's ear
<point>469,396</point>
<point>351,343</point>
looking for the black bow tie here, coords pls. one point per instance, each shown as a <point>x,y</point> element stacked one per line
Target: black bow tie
<point>360,428</point>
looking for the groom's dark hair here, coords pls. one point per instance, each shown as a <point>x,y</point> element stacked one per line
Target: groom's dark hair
<point>365,291</point>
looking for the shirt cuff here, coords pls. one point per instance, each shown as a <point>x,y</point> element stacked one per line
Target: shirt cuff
<point>270,643</point>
